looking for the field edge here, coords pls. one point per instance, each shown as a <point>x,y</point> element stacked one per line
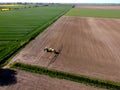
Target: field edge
<point>96,82</point>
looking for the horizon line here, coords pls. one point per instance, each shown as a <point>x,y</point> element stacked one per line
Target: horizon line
<point>65,2</point>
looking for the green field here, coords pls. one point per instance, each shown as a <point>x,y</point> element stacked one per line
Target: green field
<point>94,13</point>
<point>19,26</point>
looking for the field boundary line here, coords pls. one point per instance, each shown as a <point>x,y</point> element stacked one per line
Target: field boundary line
<point>96,82</point>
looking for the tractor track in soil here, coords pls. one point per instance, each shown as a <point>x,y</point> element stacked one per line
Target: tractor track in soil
<point>90,47</point>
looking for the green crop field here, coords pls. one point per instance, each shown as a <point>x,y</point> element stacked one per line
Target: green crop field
<point>94,13</point>
<point>18,26</point>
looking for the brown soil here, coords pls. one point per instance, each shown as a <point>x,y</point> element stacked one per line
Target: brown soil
<point>98,6</point>
<point>90,46</point>
<point>29,81</point>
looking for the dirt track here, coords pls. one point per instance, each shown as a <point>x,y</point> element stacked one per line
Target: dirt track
<point>98,6</point>
<point>29,81</point>
<point>90,46</point>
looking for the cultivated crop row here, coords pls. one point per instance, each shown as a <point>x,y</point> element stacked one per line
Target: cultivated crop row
<point>18,27</point>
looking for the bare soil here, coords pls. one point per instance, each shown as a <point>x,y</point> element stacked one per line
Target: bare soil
<point>98,6</point>
<point>90,46</point>
<point>29,81</point>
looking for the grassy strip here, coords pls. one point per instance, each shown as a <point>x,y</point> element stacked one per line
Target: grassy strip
<point>68,76</point>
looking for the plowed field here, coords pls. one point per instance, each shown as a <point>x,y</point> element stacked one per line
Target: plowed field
<point>98,6</point>
<point>28,81</point>
<point>90,46</point>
